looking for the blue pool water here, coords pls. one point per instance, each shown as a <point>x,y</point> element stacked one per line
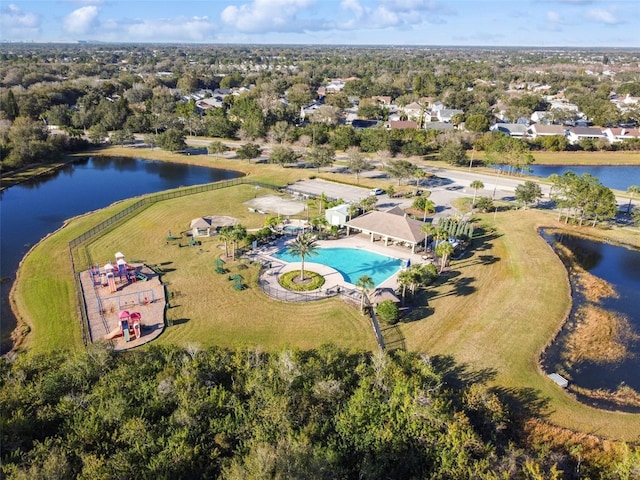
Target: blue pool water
<point>352,263</point>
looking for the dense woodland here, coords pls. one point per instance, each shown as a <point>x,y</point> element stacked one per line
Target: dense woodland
<point>165,412</point>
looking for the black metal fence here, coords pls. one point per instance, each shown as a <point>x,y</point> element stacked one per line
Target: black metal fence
<point>83,258</point>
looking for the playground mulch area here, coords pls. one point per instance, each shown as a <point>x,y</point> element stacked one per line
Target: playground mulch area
<point>103,307</point>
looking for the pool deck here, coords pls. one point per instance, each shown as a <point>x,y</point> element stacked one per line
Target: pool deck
<point>333,278</point>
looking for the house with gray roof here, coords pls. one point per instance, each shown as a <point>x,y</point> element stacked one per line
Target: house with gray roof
<point>539,130</point>
<point>578,133</point>
<point>517,130</point>
<point>446,114</point>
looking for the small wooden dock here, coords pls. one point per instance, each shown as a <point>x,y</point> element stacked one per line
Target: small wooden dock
<point>103,307</point>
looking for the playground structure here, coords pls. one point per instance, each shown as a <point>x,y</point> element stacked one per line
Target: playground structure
<point>117,297</point>
<point>106,276</point>
<point>129,324</point>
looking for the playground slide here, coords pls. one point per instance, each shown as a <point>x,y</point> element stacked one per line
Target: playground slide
<point>125,331</point>
<point>112,284</point>
<point>116,332</point>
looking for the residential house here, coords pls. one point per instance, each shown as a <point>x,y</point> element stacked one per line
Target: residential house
<point>579,133</point>
<point>517,130</point>
<point>446,114</point>
<point>541,117</point>
<point>620,134</point>
<point>539,130</point>
<point>383,99</point>
<point>414,111</point>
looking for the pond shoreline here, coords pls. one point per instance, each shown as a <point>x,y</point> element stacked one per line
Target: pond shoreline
<point>623,399</point>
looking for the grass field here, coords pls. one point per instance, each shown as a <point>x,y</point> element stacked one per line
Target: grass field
<point>587,158</point>
<point>493,316</point>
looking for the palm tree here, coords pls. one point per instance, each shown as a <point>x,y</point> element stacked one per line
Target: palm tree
<point>632,190</point>
<point>427,229</point>
<point>404,279</point>
<point>226,237</point>
<point>304,245</point>
<point>419,175</point>
<point>364,283</point>
<point>238,233</point>
<point>322,202</point>
<point>444,250</point>
<point>353,210</point>
<point>427,207</point>
<point>476,185</point>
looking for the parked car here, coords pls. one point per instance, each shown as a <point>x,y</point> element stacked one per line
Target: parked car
<point>376,191</point>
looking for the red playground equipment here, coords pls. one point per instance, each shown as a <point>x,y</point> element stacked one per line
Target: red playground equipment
<point>128,324</point>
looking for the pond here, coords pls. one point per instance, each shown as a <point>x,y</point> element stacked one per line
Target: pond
<point>38,207</point>
<point>617,177</point>
<point>620,268</point>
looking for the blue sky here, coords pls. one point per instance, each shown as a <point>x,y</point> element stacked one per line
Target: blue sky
<point>570,23</point>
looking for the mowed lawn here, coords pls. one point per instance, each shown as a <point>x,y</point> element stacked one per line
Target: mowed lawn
<point>205,309</point>
<point>587,158</point>
<point>499,309</point>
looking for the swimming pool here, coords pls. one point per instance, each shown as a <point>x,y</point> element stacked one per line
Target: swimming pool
<point>352,263</point>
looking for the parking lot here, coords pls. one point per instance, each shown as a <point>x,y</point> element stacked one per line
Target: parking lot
<point>315,187</point>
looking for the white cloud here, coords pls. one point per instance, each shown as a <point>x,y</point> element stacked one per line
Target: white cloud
<point>353,6</point>
<point>18,24</point>
<point>553,17</point>
<point>187,29</point>
<point>84,2</point>
<point>262,16</point>
<point>81,20</point>
<point>602,16</point>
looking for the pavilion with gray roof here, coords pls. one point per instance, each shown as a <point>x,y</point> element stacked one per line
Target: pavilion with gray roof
<point>392,225</point>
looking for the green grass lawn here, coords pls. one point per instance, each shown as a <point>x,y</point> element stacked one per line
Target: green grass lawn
<point>587,158</point>
<point>494,314</point>
<point>205,308</point>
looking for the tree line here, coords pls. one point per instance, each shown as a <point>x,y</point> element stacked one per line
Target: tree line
<point>169,412</point>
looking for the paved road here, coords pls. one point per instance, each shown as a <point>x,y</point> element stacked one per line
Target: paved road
<point>449,184</point>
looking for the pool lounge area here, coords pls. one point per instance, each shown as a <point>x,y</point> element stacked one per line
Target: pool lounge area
<point>333,278</point>
<point>350,262</point>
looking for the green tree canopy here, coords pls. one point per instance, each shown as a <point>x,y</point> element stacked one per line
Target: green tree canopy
<point>249,151</point>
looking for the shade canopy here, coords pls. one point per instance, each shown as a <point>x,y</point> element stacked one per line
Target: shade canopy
<point>119,255</point>
<point>124,314</point>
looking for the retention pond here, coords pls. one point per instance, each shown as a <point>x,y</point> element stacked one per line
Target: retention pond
<point>598,349</point>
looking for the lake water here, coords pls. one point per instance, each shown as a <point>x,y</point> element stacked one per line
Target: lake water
<point>616,177</point>
<point>33,209</point>
<point>620,267</point>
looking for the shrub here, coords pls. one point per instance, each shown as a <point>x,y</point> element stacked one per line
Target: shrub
<point>314,281</point>
<point>388,312</point>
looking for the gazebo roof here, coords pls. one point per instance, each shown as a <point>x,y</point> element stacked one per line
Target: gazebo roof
<point>389,225</point>
<point>213,221</point>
